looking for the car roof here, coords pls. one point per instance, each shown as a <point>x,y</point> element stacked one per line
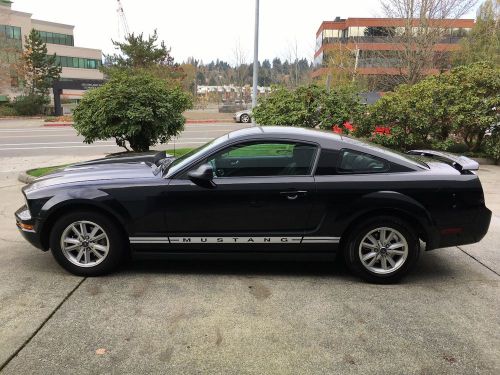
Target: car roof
<point>285,132</point>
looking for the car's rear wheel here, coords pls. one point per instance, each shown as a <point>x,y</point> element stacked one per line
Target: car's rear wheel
<point>382,249</point>
<point>245,118</point>
<point>87,243</point>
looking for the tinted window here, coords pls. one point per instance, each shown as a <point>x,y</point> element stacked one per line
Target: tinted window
<point>359,162</point>
<point>327,164</point>
<point>264,159</point>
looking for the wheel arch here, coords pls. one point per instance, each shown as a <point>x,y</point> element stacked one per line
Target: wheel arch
<point>71,206</point>
<point>421,231</point>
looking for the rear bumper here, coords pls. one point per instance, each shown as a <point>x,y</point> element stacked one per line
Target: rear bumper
<point>470,233</point>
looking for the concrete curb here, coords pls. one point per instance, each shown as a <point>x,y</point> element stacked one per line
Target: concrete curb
<point>25,178</point>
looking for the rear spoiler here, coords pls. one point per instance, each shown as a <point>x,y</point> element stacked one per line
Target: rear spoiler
<point>460,163</point>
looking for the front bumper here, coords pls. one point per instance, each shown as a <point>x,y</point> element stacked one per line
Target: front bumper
<point>28,227</point>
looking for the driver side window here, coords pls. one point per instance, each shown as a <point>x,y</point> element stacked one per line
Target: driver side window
<point>252,159</point>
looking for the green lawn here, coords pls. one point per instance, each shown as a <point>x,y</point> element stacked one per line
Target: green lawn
<point>44,170</point>
<point>38,172</point>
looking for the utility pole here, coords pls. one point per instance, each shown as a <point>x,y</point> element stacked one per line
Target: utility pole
<point>255,58</point>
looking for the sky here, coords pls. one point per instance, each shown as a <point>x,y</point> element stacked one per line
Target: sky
<point>204,29</point>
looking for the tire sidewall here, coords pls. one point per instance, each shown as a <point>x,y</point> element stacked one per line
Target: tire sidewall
<point>351,251</point>
<point>116,243</point>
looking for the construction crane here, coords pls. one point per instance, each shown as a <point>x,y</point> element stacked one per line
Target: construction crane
<point>123,29</point>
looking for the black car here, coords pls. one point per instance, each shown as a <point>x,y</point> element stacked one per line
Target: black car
<point>262,192</point>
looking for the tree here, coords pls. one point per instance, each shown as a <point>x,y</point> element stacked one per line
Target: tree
<point>37,70</point>
<point>483,42</point>
<point>141,110</point>
<point>424,27</point>
<point>341,64</point>
<point>138,52</point>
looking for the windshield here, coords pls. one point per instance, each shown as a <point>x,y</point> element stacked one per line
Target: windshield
<point>186,159</point>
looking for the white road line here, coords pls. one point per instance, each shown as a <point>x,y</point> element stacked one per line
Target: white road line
<point>90,146</point>
<point>80,142</point>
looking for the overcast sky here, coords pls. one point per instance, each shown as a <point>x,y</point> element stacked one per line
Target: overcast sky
<point>205,29</point>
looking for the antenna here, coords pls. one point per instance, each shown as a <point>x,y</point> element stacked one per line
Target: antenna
<point>122,20</point>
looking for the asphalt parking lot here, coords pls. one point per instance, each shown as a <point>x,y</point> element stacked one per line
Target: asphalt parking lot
<point>246,318</point>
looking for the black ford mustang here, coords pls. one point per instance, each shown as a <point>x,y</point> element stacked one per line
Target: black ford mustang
<point>264,191</point>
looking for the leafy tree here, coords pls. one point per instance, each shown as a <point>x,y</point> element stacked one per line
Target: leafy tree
<point>483,42</point>
<point>37,70</point>
<point>141,110</point>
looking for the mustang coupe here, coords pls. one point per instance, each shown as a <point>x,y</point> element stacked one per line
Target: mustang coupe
<point>269,192</point>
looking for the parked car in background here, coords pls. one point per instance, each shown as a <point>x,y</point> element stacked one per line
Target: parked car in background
<point>243,116</point>
<point>275,192</point>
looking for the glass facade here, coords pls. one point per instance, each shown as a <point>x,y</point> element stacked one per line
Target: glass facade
<point>78,62</point>
<point>55,38</point>
<point>12,35</point>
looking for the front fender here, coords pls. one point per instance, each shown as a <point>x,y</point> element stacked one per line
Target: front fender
<point>87,197</point>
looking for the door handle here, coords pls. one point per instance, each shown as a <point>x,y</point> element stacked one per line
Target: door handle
<point>294,194</point>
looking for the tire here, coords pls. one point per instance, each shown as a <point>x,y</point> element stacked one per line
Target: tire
<point>80,256</point>
<point>400,250</point>
<point>245,119</point>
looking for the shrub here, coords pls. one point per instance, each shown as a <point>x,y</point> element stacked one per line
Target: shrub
<point>30,105</point>
<point>6,110</point>
<point>492,144</point>
<point>427,114</point>
<point>139,109</point>
<point>308,106</point>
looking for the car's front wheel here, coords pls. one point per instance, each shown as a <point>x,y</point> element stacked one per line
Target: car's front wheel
<point>382,249</point>
<point>245,118</point>
<point>87,243</point>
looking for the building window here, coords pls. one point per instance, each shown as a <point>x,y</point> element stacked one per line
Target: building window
<point>10,32</point>
<point>56,38</point>
<point>78,62</point>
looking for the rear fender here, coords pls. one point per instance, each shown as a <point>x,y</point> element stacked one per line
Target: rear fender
<point>391,202</point>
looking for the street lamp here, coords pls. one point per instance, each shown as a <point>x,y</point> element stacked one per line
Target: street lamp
<point>255,58</point>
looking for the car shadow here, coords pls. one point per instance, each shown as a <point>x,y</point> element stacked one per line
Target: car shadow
<point>335,267</point>
<point>430,268</point>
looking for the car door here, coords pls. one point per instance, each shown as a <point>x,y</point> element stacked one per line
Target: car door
<point>262,189</point>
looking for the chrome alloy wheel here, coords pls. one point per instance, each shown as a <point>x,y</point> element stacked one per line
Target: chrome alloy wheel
<point>383,250</point>
<point>84,243</point>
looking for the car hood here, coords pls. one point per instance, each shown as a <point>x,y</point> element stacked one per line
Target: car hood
<point>96,172</point>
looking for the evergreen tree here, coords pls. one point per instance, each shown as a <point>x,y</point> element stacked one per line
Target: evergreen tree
<point>37,69</point>
<point>483,42</point>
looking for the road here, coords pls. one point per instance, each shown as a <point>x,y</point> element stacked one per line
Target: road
<point>246,318</point>
<point>31,138</point>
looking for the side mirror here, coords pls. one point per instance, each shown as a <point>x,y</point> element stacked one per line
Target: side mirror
<point>203,176</point>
